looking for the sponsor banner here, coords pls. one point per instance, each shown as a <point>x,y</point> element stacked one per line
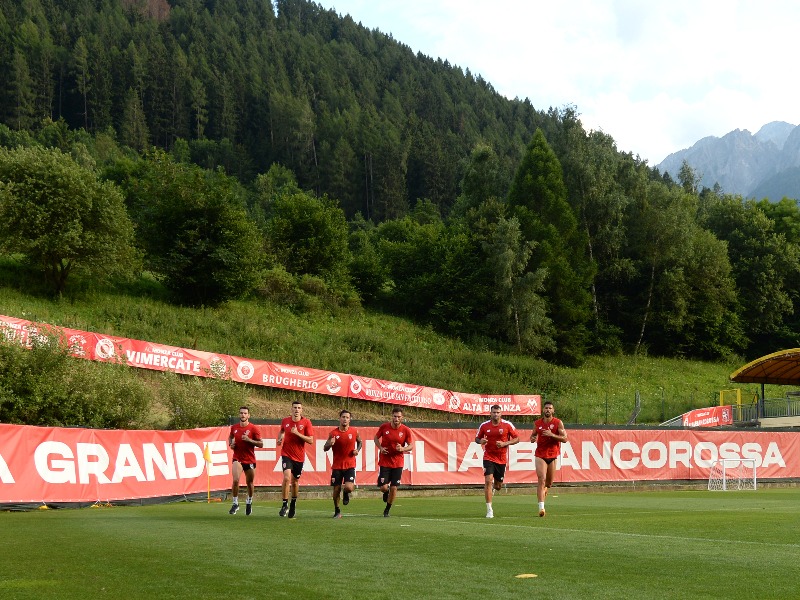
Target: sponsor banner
<point>714,416</point>
<point>41,464</point>
<point>48,464</point>
<point>630,455</point>
<point>160,357</point>
<point>407,394</point>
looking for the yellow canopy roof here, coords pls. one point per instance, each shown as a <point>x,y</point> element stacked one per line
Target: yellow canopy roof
<point>779,368</point>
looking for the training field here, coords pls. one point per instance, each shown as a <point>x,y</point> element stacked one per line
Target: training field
<point>657,544</point>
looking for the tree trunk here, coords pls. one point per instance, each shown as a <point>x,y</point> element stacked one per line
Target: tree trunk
<point>646,307</point>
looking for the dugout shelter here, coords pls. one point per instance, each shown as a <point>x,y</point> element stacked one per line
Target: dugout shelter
<point>778,368</point>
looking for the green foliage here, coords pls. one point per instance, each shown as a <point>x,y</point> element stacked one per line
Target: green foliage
<point>367,271</point>
<point>354,113</point>
<point>195,230</point>
<point>192,403</point>
<point>46,386</point>
<point>538,198</point>
<point>62,218</point>
<point>520,310</point>
<point>765,266</point>
<point>378,345</point>
<point>303,293</point>
<point>308,236</point>
<point>318,118</point>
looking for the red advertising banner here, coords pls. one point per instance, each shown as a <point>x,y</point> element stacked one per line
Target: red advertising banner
<point>59,465</point>
<point>160,357</point>
<point>714,416</point>
<point>405,394</point>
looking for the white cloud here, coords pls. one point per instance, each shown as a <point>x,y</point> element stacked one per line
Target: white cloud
<point>655,76</point>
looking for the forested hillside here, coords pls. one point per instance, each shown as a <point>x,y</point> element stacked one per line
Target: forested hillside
<point>278,151</point>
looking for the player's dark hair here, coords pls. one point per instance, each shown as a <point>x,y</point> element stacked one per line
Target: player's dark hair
<point>297,402</point>
<point>397,409</point>
<point>343,411</point>
<point>548,402</point>
<point>247,408</point>
<point>497,406</point>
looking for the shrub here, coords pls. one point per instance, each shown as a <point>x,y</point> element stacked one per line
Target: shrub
<point>45,386</point>
<point>194,403</point>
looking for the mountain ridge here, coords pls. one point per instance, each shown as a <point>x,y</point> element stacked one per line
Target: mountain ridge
<point>761,165</point>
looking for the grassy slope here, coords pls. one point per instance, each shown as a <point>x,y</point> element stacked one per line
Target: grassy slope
<point>375,345</point>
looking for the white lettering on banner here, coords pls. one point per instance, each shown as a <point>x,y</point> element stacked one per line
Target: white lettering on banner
<point>473,457</point>
<point>772,456</point>
<point>126,465</point>
<point>603,459</point>
<point>88,467</point>
<point>184,449</point>
<point>302,384</point>
<point>293,371</point>
<point>521,457</point>
<point>218,449</point>
<point>395,396</point>
<point>680,452</point>
<point>422,466</point>
<point>369,454</point>
<point>5,472</point>
<point>323,459</point>
<point>166,463</point>
<point>627,455</point>
<point>630,447</point>
<point>647,451</point>
<point>56,463</point>
<point>267,453</point>
<point>705,453</point>
<point>55,471</point>
<point>452,455</point>
<point>151,359</point>
<point>568,457</point>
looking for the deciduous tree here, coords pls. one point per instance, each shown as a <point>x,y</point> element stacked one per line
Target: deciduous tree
<point>57,213</point>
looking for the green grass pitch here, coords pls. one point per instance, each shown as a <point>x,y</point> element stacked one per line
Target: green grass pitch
<point>656,544</point>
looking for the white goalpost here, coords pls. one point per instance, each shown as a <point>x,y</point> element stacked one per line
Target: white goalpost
<point>732,474</point>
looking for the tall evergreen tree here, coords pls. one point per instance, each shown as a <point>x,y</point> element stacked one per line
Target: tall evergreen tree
<point>20,88</point>
<point>538,198</point>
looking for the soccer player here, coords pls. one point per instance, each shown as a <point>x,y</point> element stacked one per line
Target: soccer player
<point>243,439</point>
<point>345,441</point>
<point>549,434</point>
<point>393,441</point>
<point>296,432</point>
<point>495,435</point>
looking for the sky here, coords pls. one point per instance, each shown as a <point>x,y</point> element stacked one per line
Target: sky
<point>657,76</point>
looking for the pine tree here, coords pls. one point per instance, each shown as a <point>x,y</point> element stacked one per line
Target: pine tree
<point>538,197</point>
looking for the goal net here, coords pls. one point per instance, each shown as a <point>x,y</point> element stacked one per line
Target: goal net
<point>732,474</point>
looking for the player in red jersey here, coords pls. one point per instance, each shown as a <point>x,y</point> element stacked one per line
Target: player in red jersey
<point>345,441</point>
<point>495,435</point>
<point>549,434</point>
<point>243,439</point>
<point>393,441</point>
<point>296,432</point>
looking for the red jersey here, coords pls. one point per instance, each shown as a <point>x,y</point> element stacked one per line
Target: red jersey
<point>343,448</point>
<point>547,447</point>
<point>502,432</point>
<point>293,446</point>
<point>389,438</point>
<point>244,452</point>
